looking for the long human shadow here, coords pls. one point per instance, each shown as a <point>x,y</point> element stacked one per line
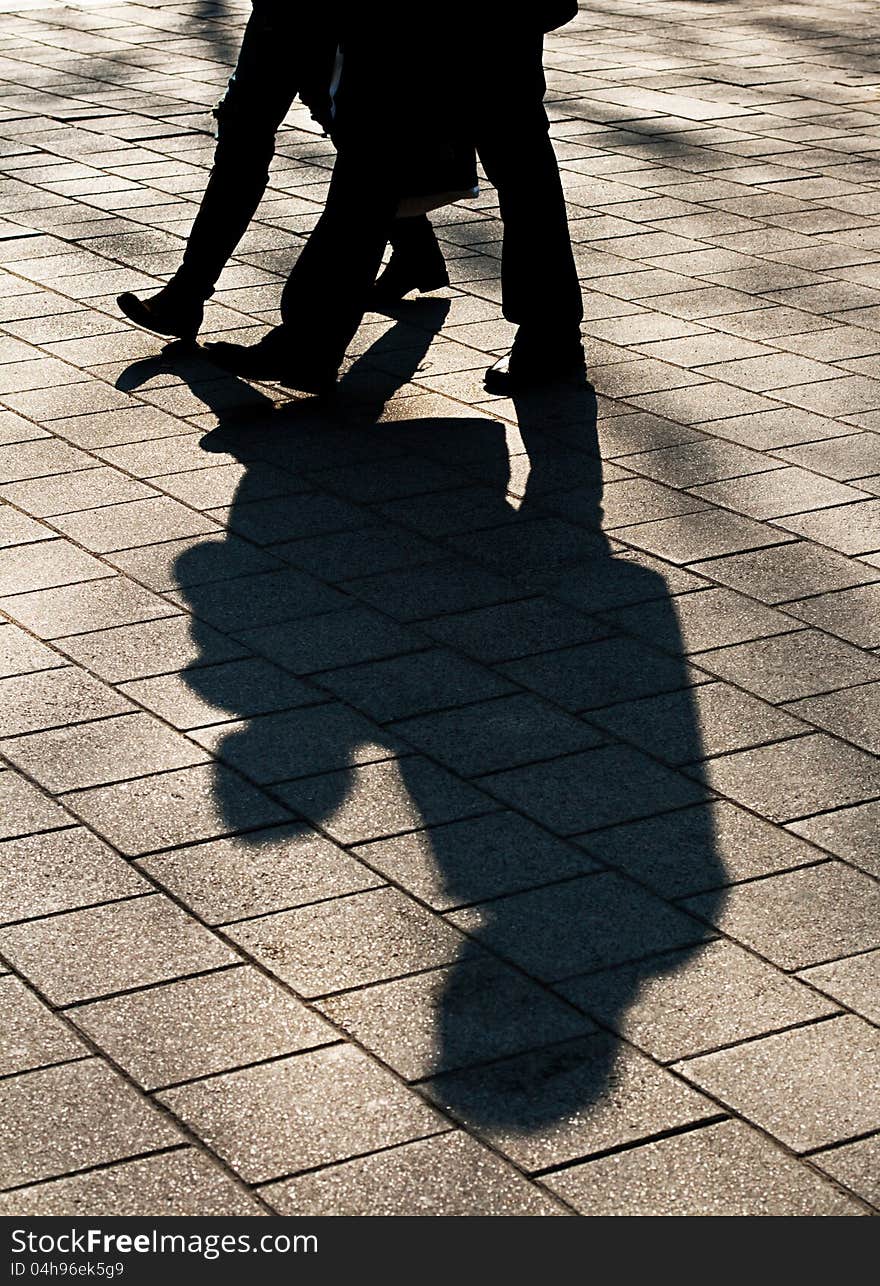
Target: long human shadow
<point>534,744</point>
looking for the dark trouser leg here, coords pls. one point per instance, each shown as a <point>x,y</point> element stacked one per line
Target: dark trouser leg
<point>326,294</point>
<point>259,96</point>
<point>416,262</point>
<point>414,237</point>
<point>541,291</point>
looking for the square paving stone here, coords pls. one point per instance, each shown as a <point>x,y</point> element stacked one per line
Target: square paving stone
<point>182,1182</point>
<point>71,492</point>
<point>51,698</point>
<point>779,492</point>
<point>449,1018</point>
<point>245,602</point>
<point>302,1112</point>
<point>682,727</point>
<point>568,1101</point>
<point>796,778</point>
<point>725,1169</point>
<point>277,747</point>
<point>632,500</point>
<point>705,619</point>
<point>134,522</point>
<point>208,694</point>
<point>852,981</point>
<point>331,640</point>
<point>788,572</point>
<point>792,665</point>
<point>111,427</point>
<point>809,1087</point>
<point>349,941</point>
<point>689,537</point>
<point>24,809</point>
<point>773,371</point>
<point>856,1166</point>
<point>60,870</point>
<point>71,1117</point>
<point>81,955</point>
<point>42,564</point>
<point>268,522</point>
<point>39,459</point>
<point>851,528</point>
<point>628,576</point>
<point>216,487</point>
<point>472,860</point>
<point>98,604</point>
<point>497,734</point>
<point>254,874</point>
<point>16,529</point>
<point>150,647</point>
<point>416,594</point>
<point>91,754</point>
<point>173,808</point>
<point>695,462</point>
<point>840,397</point>
<point>853,714</point>
<point>446,513</point>
<point>21,654</point>
<point>411,685</point>
<point>851,614</point>
<point>14,429</point>
<point>449,1175</point>
<point>855,456</point>
<point>373,800</point>
<point>699,848</point>
<point>566,929</point>
<point>800,917</point>
<point>847,832</point>
<point>174,455</point>
<point>510,630</point>
<point>164,567</point>
<point>369,551</point>
<point>594,789</point>
<point>686,1002</point>
<point>526,549</point>
<point>33,1036</point>
<point>599,674</point>
<point>201,1026</point>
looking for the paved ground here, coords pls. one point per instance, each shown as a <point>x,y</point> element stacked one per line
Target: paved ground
<point>381,837</point>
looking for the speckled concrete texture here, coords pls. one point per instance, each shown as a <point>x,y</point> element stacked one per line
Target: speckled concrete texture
<point>423,801</point>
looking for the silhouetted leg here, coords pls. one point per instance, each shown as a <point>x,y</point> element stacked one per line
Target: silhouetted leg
<point>416,262</point>
<point>541,291</point>
<point>327,292</point>
<point>260,92</point>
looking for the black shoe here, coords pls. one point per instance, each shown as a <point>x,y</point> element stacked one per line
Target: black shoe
<point>529,367</point>
<point>170,312</point>
<point>273,360</point>
<point>404,274</point>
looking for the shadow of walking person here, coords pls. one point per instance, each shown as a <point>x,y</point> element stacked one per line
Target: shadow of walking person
<point>483,767</point>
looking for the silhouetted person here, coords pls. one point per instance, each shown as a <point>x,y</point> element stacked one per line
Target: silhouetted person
<point>408,96</point>
<point>289,48</point>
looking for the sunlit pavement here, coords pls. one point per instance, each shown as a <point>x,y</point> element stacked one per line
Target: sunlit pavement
<point>380,837</point>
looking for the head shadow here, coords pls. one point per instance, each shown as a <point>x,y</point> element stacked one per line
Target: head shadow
<point>457,688</point>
